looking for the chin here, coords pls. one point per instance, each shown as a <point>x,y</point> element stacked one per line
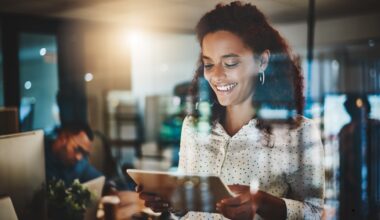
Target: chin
<point>225,99</point>
<point>224,103</point>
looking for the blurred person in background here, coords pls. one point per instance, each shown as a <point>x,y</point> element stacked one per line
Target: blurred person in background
<point>359,141</point>
<point>68,146</point>
<point>67,151</point>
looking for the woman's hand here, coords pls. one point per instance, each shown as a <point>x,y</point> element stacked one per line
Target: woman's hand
<point>240,207</point>
<point>153,201</point>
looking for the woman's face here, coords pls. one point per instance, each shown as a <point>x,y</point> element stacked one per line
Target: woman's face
<point>229,66</point>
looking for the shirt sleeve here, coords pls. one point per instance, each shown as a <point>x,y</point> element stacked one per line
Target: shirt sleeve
<point>306,194</point>
<point>86,171</point>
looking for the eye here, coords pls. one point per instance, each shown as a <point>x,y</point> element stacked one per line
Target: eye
<point>231,65</point>
<point>208,66</point>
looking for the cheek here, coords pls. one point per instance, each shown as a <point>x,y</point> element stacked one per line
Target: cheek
<point>70,153</point>
<point>236,75</point>
<point>247,75</point>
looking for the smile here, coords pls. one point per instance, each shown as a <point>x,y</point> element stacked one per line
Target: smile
<point>226,87</point>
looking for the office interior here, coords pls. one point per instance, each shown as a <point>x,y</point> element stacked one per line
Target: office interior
<point>125,67</point>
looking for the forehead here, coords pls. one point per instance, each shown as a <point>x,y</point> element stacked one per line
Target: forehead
<point>220,43</point>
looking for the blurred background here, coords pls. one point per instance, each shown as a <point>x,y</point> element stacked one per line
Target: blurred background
<point>124,66</point>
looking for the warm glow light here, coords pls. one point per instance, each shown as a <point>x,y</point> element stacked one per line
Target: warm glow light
<point>28,85</point>
<point>88,77</point>
<point>135,38</point>
<point>43,51</point>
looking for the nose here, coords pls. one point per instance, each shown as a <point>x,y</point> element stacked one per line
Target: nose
<point>218,72</point>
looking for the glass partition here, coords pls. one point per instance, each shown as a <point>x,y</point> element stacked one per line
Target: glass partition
<point>38,81</point>
<point>1,73</point>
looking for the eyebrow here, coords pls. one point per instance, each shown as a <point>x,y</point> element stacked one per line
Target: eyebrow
<point>223,57</point>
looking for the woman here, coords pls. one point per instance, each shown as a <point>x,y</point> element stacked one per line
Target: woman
<point>246,64</point>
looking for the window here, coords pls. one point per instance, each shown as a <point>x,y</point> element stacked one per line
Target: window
<point>38,81</point>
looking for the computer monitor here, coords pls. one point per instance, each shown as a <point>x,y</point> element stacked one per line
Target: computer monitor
<point>22,172</point>
<point>8,120</point>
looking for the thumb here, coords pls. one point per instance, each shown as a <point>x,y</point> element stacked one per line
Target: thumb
<point>139,188</point>
<point>232,201</point>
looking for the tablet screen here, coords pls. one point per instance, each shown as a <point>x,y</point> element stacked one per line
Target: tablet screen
<point>185,192</point>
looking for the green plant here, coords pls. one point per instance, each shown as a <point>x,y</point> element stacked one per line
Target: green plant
<point>67,202</point>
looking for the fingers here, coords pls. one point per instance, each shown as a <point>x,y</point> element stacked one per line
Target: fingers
<point>159,206</point>
<point>235,201</point>
<point>156,203</point>
<point>239,207</point>
<point>238,189</point>
<point>149,197</point>
<point>236,211</point>
<point>243,211</point>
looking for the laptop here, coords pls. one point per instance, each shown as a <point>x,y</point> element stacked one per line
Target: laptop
<point>6,209</point>
<point>22,173</point>
<point>95,186</point>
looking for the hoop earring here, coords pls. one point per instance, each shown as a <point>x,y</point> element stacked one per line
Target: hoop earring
<point>262,77</point>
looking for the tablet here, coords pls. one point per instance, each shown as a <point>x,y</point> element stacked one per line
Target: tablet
<point>185,192</point>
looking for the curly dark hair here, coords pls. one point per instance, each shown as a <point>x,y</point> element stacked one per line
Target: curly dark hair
<point>283,86</point>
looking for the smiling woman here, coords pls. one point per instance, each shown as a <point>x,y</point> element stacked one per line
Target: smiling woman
<point>275,170</point>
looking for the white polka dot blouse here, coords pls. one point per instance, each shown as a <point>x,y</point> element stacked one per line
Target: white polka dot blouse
<point>287,164</point>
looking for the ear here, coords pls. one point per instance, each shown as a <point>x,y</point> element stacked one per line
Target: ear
<point>264,60</point>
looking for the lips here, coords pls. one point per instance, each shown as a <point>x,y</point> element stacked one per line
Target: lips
<point>225,87</point>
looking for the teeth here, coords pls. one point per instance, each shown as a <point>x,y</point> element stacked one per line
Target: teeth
<point>227,87</point>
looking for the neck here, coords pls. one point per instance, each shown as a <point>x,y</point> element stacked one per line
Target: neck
<point>237,116</point>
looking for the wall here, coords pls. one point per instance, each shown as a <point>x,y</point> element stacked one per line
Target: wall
<point>107,57</point>
<point>160,61</point>
<point>152,63</point>
<point>1,72</point>
<point>337,31</point>
<point>343,55</point>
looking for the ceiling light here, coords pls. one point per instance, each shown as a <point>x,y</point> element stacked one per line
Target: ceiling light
<point>371,43</point>
<point>43,51</point>
<point>28,85</point>
<point>88,77</point>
